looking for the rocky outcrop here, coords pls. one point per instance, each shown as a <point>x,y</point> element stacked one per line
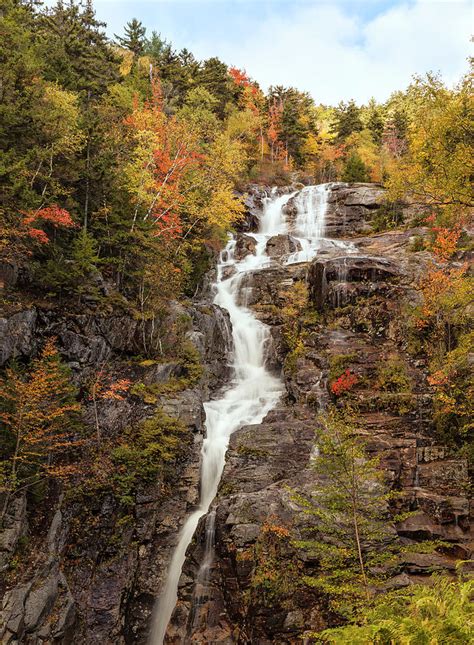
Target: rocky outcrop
<point>94,578</point>
<point>15,527</point>
<point>280,246</point>
<point>360,297</point>
<point>351,207</point>
<point>17,334</point>
<point>341,280</point>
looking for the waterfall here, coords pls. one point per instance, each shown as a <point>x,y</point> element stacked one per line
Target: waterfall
<point>253,392</point>
<point>311,205</point>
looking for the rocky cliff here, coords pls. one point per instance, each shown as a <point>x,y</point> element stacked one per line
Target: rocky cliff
<point>71,562</point>
<point>90,571</point>
<point>357,320</point>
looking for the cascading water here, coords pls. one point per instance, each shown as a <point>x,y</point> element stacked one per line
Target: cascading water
<point>311,206</point>
<point>253,392</point>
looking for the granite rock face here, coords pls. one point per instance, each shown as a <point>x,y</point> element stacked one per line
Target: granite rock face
<point>95,575</point>
<point>359,297</point>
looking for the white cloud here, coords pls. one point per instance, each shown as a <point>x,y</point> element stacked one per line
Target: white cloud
<point>334,55</point>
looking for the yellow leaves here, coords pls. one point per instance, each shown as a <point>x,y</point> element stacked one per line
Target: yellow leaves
<point>243,125</point>
<point>58,116</point>
<point>438,166</point>
<point>225,207</point>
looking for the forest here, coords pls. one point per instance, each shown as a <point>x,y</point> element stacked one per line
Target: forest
<point>125,165</point>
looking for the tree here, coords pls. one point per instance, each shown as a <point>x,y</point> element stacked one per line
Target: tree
<point>375,121</point>
<point>76,51</point>
<point>134,38</point>
<point>214,77</point>
<point>38,424</point>
<point>164,150</point>
<point>354,169</point>
<point>347,119</point>
<point>437,167</point>
<point>348,513</point>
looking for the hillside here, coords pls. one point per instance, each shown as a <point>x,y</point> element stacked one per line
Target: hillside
<point>236,349</point>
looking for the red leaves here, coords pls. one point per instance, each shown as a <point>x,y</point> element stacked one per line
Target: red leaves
<point>239,77</point>
<point>171,153</point>
<point>344,383</point>
<point>53,215</point>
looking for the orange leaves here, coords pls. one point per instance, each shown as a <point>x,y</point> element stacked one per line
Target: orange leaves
<point>438,378</point>
<point>53,215</point>
<point>344,383</point>
<point>240,77</point>
<point>103,387</point>
<point>276,529</point>
<point>438,284</point>
<point>446,242</point>
<point>164,151</point>
<point>117,389</point>
<point>39,408</point>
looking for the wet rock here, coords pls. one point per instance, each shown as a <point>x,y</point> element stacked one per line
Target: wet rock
<point>280,246</point>
<point>213,338</point>
<point>329,279</point>
<point>245,245</point>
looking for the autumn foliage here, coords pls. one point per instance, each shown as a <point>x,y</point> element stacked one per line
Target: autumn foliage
<point>165,151</point>
<point>53,216</point>
<point>38,428</point>
<point>344,383</point>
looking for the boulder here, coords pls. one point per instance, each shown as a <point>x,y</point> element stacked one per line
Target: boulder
<point>280,246</point>
<point>17,335</point>
<point>245,245</point>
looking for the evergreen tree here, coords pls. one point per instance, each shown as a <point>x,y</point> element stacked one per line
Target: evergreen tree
<point>134,37</point>
<point>348,508</point>
<point>355,169</point>
<point>375,121</point>
<point>76,50</point>
<point>347,120</point>
<point>214,77</point>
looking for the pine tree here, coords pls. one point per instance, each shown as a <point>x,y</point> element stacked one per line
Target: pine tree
<point>375,121</point>
<point>348,511</point>
<point>134,37</point>
<point>355,169</point>
<point>347,120</point>
<point>76,50</point>
<point>214,77</point>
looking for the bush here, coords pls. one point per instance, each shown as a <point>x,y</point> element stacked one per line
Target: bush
<point>442,613</point>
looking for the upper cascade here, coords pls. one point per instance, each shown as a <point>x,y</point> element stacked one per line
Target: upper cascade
<point>299,215</point>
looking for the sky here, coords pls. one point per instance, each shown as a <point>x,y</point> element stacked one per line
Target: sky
<point>336,50</point>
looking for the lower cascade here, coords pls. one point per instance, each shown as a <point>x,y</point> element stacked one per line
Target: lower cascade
<point>254,391</point>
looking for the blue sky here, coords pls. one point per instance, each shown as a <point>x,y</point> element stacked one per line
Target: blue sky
<point>336,50</point>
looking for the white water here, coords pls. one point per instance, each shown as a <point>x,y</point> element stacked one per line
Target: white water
<point>253,391</point>
<point>252,394</point>
<point>312,204</point>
